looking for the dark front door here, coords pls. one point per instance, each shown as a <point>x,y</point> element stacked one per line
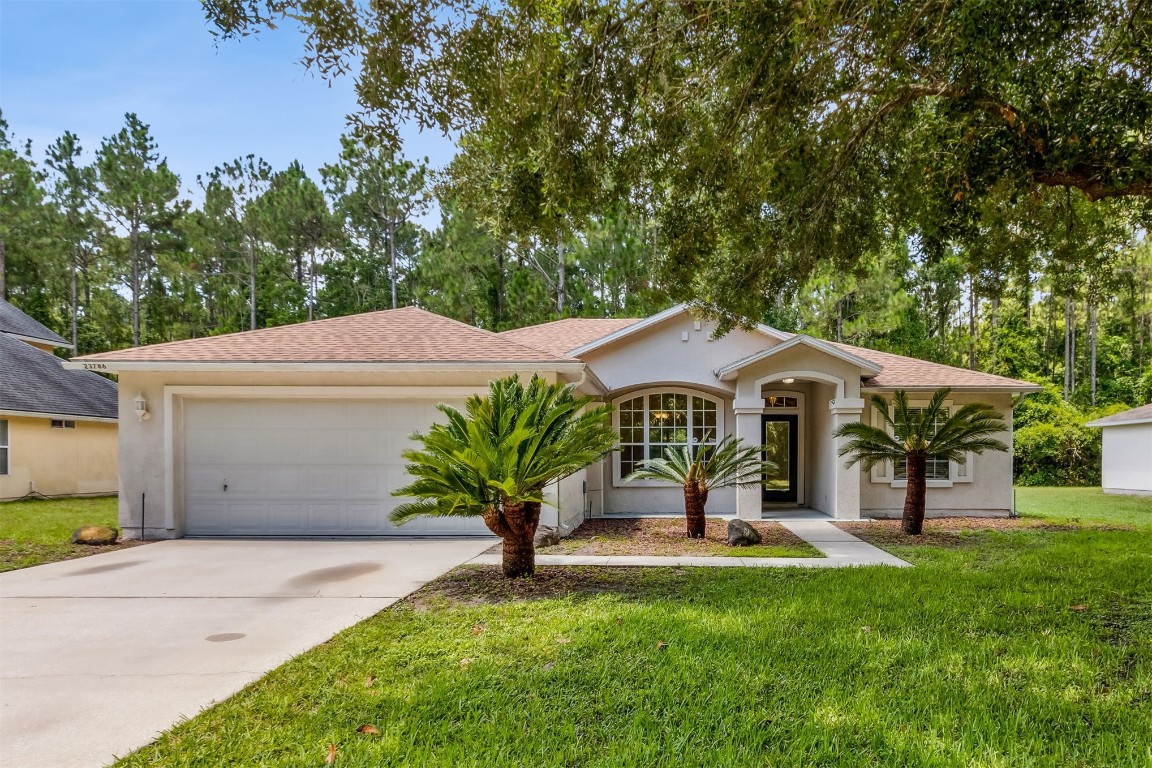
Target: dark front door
<point>781,444</point>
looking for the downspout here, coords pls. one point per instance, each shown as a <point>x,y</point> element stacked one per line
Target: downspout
<point>587,506</point>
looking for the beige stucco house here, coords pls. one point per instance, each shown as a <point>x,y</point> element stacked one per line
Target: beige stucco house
<point>298,430</point>
<point>1126,452</point>
<point>57,426</point>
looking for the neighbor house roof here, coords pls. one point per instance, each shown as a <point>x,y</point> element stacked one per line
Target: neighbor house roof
<point>34,381</point>
<point>900,372</point>
<point>15,323</point>
<point>1141,415</point>
<point>562,336</point>
<point>406,335</point>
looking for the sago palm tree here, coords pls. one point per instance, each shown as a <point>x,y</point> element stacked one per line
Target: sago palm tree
<point>914,435</point>
<point>728,464</point>
<point>495,459</point>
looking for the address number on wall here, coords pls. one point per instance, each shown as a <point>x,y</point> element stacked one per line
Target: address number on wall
<point>95,367</point>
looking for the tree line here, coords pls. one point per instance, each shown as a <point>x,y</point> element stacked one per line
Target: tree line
<point>107,248</point>
<point>104,247</point>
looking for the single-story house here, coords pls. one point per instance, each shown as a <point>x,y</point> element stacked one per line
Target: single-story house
<point>297,430</point>
<point>57,426</point>
<point>1126,462</point>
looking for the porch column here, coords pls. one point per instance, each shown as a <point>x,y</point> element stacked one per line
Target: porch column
<point>846,504</point>
<point>749,501</point>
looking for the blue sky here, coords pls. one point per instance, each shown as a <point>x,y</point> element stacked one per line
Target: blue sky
<point>79,65</point>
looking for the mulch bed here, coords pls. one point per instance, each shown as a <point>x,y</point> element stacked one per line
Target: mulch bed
<point>952,531</point>
<point>666,537</point>
<point>485,584</point>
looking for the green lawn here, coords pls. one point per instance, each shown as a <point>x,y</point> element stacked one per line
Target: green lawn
<point>36,532</point>
<point>1021,648</point>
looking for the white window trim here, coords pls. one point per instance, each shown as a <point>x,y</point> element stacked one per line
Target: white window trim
<point>802,435</point>
<point>885,472</point>
<point>617,480</point>
<point>7,445</point>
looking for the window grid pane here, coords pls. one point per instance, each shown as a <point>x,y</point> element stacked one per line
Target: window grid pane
<point>934,469</point>
<point>673,420</point>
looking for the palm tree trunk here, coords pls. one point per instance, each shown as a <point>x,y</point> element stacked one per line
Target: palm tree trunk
<point>913,521</point>
<point>516,524</point>
<point>694,500</point>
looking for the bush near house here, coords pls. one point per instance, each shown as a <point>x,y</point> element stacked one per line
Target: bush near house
<point>1051,444</point>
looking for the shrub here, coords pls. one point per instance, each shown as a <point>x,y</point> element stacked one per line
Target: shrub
<point>1057,454</point>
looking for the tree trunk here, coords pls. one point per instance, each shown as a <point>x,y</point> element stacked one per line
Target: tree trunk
<point>972,305</point>
<point>562,277</point>
<point>251,285</point>
<point>1092,344</point>
<point>135,245</point>
<point>1068,354</point>
<point>694,500</point>
<point>392,256</point>
<point>913,521</point>
<point>73,298</point>
<point>516,525</point>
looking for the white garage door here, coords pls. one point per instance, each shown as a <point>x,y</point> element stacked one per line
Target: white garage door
<point>303,468</point>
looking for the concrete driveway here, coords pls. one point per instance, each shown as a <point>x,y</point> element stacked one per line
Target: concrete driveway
<point>101,654</point>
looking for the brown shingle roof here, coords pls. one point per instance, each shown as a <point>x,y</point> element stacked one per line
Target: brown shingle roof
<point>408,334</point>
<point>900,371</point>
<point>562,336</point>
<point>1133,416</point>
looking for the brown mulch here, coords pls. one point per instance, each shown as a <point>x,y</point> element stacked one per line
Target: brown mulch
<point>666,537</point>
<point>951,531</point>
<point>484,584</point>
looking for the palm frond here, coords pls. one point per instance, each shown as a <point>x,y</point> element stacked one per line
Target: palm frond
<point>730,463</point>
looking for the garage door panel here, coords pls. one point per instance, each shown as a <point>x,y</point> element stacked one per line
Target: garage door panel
<point>286,519</point>
<point>327,519</point>
<point>299,468</point>
<point>247,518</point>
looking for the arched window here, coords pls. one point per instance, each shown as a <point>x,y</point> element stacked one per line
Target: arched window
<point>655,421</point>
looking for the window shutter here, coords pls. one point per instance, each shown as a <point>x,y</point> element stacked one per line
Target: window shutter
<point>882,472</point>
<point>961,471</point>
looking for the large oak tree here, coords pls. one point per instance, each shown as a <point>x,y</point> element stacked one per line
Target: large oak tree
<point>764,137</point>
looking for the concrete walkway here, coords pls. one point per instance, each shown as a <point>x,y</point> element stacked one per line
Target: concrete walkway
<point>841,550</point>
<point>99,655</point>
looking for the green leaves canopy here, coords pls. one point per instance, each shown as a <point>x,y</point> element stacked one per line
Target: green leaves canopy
<point>765,137</point>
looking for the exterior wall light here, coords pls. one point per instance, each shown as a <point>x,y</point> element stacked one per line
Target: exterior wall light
<point>142,408</point>
<point>789,381</point>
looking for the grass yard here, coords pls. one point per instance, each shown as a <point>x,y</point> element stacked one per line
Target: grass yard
<point>1023,647</point>
<point>37,532</point>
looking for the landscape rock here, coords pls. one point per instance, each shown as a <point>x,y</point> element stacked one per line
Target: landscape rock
<point>546,536</point>
<point>95,535</point>
<point>741,534</point>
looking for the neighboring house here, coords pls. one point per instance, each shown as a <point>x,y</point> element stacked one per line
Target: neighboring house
<point>1126,462</point>
<point>57,426</point>
<point>298,430</point>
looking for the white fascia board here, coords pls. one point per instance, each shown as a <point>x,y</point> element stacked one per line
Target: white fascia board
<point>729,371</point>
<point>955,388</point>
<point>656,319</point>
<point>768,330</point>
<point>1102,423</point>
<point>112,366</point>
<point>36,340</point>
<point>628,330</point>
<point>65,416</point>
